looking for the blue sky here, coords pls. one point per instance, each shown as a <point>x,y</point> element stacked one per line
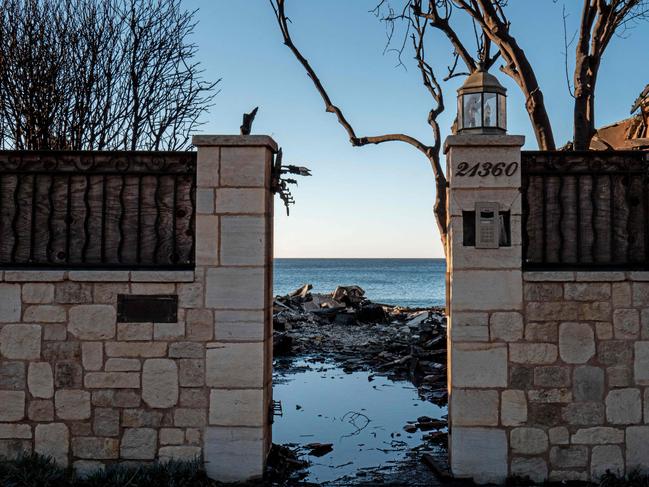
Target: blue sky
<point>376,201</point>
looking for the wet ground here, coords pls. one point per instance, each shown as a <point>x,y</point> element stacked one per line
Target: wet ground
<point>357,419</point>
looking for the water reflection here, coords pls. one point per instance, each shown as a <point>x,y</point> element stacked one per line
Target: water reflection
<point>360,415</point>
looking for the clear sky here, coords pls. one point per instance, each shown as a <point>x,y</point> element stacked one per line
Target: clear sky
<point>376,201</point>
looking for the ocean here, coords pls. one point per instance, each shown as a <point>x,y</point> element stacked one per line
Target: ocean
<point>404,282</point>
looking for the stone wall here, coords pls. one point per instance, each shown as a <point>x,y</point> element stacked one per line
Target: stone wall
<point>79,386</point>
<point>549,371</point>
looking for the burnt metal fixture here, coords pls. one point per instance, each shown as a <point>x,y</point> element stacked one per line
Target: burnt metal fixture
<point>279,184</point>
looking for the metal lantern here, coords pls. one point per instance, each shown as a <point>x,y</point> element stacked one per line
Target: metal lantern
<point>482,105</point>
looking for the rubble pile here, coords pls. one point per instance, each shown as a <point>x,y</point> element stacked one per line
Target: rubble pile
<point>345,326</point>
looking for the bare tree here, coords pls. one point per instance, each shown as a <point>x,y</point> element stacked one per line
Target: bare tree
<point>99,74</point>
<point>492,28</point>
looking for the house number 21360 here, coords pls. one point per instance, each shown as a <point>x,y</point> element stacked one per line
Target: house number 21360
<point>484,169</point>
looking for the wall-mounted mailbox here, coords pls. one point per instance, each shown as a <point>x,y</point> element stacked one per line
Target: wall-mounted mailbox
<point>487,225</point>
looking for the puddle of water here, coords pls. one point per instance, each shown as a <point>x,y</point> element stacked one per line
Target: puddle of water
<point>362,418</point>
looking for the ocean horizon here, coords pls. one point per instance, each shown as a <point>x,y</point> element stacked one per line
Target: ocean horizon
<point>411,282</point>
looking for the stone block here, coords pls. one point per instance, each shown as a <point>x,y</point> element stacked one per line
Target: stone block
<point>190,418</point>
<point>244,166</point>
<point>559,435</point>
<point>475,290</point>
<point>464,333</point>
<point>93,448</point>
<point>54,351</point>
<point>207,167</point>
<point>234,325</point>
<point>149,288</point>
<point>194,436</point>
<point>190,295</point>
<point>13,405</point>
<point>619,376</point>
<point>549,276</point>
<point>624,406</point>
<point>180,453</point>
<point>92,321</point>
<point>533,353</point>
<point>138,444</point>
<point>576,342</point>
<point>92,355</point>
<point>644,324</point>
<point>191,372</point>
<point>600,276</point>
<point>21,342</point>
<point>569,456</point>
<point>106,422</point>
<point>465,412</point>
<point>207,240</point>
<point>479,453</point>
<point>641,294</point>
<point>562,395</point>
<point>106,293</point>
<point>535,469</point>
<point>53,440</point>
<point>193,398</point>
<point>40,410</point>
<point>621,295</point>
<point>186,350</point>
<point>70,292</point>
<point>205,201</point>
<point>598,435</point>
<point>44,313</point>
<point>99,276</point>
<point>200,324</point>
<point>588,383</point>
<point>142,418</point>
<point>506,326</point>
<point>67,375</point>
<point>136,349</point>
<point>542,332</point>
<point>552,376</point>
<point>235,365</point>
<point>10,303</point>
<point>606,459</point>
<point>603,330</point>
<point>168,331</point>
<point>38,293</point>
<point>235,288</point>
<point>134,331</point>
<point>12,375</point>
<point>626,324</point>
<point>241,200</point>
<point>55,332</point>
<point>615,352</point>
<point>123,365</point>
<point>243,240</point>
<point>637,453</point>
<point>15,431</point>
<point>528,441</point>
<point>160,383</point>
<point>172,436</point>
<point>234,454</point>
<point>583,413</point>
<point>237,407</point>
<point>542,291</point>
<point>72,404</point>
<point>513,408</point>
<point>40,380</point>
<point>641,363</point>
<point>112,380</point>
<point>583,291</point>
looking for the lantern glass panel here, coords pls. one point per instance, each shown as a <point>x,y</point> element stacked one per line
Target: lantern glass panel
<point>490,110</point>
<point>459,113</point>
<point>472,110</point>
<point>502,112</point>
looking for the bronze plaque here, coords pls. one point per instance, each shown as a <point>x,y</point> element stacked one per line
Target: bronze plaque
<point>147,308</point>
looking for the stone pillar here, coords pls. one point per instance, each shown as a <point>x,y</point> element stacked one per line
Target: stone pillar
<point>234,249</point>
<point>484,304</point>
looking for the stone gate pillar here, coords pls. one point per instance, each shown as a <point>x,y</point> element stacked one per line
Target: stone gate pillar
<point>484,301</point>
<point>234,250</point>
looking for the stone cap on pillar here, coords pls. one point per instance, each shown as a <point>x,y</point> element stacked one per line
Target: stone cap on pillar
<point>483,140</point>
<point>235,141</point>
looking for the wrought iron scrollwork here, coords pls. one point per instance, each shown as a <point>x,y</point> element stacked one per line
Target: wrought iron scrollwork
<point>280,184</point>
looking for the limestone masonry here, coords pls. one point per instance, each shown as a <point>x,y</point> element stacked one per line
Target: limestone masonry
<point>79,386</point>
<point>549,370</point>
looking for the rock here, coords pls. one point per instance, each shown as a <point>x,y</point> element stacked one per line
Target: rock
<point>160,383</point>
<point>319,449</point>
<point>40,380</point>
<point>72,404</point>
<point>138,444</point>
<point>21,342</point>
<point>53,440</point>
